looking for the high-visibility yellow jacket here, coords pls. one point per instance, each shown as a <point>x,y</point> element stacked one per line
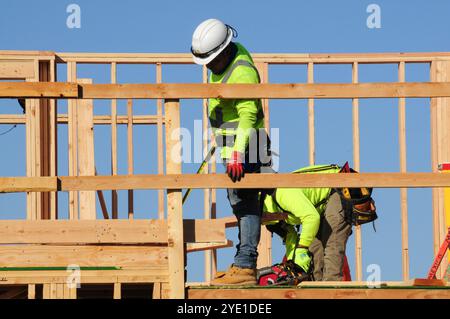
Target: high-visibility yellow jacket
<point>304,207</point>
<point>234,117</point>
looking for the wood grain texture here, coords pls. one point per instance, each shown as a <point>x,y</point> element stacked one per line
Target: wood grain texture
<point>239,91</point>
<point>38,89</point>
<point>86,161</point>
<point>126,257</point>
<point>273,58</point>
<point>174,202</point>
<point>28,184</point>
<point>107,231</point>
<point>319,293</point>
<point>179,181</point>
<point>282,91</point>
<point>16,69</point>
<point>155,274</point>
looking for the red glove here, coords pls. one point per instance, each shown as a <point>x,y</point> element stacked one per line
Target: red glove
<point>235,168</point>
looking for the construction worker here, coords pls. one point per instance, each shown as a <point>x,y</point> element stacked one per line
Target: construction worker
<point>326,216</point>
<point>238,126</point>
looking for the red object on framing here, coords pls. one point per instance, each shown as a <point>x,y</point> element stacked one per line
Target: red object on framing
<point>346,271</point>
<point>440,255</point>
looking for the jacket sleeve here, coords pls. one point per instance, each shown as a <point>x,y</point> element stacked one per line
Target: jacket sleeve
<point>246,109</point>
<point>303,211</point>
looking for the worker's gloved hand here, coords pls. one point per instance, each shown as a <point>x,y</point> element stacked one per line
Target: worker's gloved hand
<point>235,167</point>
<point>302,258</point>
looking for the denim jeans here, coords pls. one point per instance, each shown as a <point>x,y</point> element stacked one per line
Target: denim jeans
<point>245,205</point>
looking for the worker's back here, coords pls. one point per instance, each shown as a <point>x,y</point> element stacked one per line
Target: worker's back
<point>301,201</point>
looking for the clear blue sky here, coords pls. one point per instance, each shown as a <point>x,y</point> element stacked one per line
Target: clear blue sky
<point>263,26</point>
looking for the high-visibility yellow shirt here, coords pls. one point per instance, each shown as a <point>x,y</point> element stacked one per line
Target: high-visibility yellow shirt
<point>236,117</point>
<point>305,205</point>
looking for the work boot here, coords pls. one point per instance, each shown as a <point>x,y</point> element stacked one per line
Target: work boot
<point>220,274</point>
<point>236,276</point>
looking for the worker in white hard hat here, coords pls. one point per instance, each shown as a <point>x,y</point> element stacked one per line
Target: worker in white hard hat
<point>238,125</point>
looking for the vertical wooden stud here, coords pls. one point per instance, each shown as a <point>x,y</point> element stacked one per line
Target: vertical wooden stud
<point>206,191</point>
<point>156,290</point>
<point>311,129</point>
<point>31,291</point>
<point>72,140</point>
<point>114,199</point>
<point>36,116</point>
<point>174,201</point>
<point>440,143</point>
<point>130,155</point>
<point>53,144</point>
<point>86,161</point>
<point>117,290</point>
<point>265,243</point>
<point>403,191</point>
<point>159,106</point>
<point>46,291</point>
<point>356,166</point>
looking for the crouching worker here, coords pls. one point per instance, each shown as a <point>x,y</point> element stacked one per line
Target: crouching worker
<point>325,215</point>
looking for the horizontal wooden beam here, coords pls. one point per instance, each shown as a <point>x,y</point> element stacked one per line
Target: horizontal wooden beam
<point>275,91</point>
<point>193,247</point>
<point>28,184</point>
<point>106,231</point>
<point>318,293</point>
<point>98,119</point>
<point>11,69</point>
<point>154,274</point>
<point>180,181</point>
<point>200,91</point>
<point>273,58</point>
<point>38,90</point>
<point>126,257</point>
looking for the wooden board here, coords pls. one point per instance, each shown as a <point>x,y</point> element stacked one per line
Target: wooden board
<point>273,58</point>
<point>179,181</point>
<point>174,202</point>
<point>193,247</point>
<point>318,293</point>
<point>200,91</point>
<point>282,91</point>
<point>256,181</point>
<point>154,274</point>
<point>86,160</point>
<point>28,184</point>
<point>114,163</point>
<point>403,169</point>
<point>106,231</point>
<point>356,166</point>
<point>83,256</point>
<point>38,89</point>
<point>14,69</point>
<point>160,133</point>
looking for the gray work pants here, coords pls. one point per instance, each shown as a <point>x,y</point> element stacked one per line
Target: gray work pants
<point>328,247</point>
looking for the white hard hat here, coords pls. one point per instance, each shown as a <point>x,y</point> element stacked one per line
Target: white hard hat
<point>209,39</point>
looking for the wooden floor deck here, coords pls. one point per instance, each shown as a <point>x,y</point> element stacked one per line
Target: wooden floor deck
<point>322,290</point>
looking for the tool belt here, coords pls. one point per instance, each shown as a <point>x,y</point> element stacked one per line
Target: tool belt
<point>356,217</point>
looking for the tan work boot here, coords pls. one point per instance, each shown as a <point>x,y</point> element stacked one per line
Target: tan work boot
<point>220,274</point>
<point>236,276</point>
